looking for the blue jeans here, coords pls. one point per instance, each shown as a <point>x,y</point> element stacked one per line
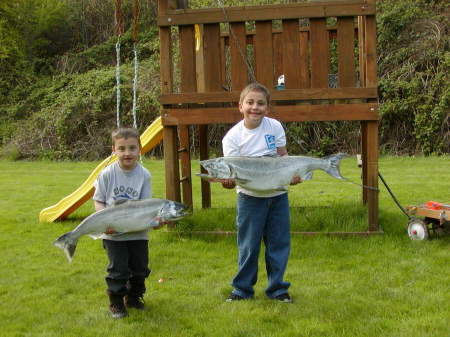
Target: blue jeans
<point>264,219</point>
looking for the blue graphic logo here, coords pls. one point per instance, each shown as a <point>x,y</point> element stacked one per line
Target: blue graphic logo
<point>270,141</point>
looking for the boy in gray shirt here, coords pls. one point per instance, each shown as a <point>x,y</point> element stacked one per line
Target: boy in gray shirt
<point>128,252</point>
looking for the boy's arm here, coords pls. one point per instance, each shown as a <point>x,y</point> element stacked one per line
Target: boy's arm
<point>99,205</point>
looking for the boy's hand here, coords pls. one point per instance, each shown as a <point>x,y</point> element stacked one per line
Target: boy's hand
<point>295,180</point>
<point>110,231</point>
<point>228,183</point>
<point>161,224</point>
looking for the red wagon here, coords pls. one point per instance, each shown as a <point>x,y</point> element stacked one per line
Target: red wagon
<point>430,218</point>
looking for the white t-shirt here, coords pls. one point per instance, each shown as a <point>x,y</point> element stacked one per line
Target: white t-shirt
<point>261,141</point>
<point>114,184</point>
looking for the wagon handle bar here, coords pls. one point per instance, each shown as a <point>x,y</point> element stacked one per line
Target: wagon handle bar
<point>393,196</point>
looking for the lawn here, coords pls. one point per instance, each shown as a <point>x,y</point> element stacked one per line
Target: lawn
<point>383,285</point>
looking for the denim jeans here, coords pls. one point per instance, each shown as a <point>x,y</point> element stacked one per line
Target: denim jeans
<point>262,219</point>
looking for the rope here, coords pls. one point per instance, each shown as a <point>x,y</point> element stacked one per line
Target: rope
<point>238,45</point>
<point>135,81</point>
<point>118,82</point>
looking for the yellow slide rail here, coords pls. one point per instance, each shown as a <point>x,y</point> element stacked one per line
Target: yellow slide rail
<point>151,137</point>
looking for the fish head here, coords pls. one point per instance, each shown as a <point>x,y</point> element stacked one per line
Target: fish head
<point>172,211</point>
<point>217,168</point>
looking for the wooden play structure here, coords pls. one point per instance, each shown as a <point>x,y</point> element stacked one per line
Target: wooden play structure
<point>220,50</point>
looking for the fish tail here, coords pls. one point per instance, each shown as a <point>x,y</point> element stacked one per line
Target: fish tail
<point>334,165</point>
<point>67,244</point>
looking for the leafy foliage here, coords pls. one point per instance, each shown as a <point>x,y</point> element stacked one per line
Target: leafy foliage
<point>57,82</point>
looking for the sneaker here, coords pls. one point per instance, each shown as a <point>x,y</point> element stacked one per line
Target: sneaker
<point>233,297</point>
<point>118,311</point>
<point>285,298</point>
<point>136,302</point>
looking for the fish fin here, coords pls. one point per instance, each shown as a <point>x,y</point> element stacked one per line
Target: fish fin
<point>241,180</point>
<point>67,244</point>
<point>307,176</point>
<point>335,161</point>
<point>121,201</point>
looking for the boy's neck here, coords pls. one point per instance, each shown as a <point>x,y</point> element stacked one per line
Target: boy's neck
<point>128,169</point>
<point>251,126</point>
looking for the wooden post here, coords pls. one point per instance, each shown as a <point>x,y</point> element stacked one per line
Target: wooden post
<point>212,75</point>
<point>172,173</point>
<point>372,126</point>
<point>188,84</point>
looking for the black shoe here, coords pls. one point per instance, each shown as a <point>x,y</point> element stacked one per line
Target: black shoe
<point>285,298</point>
<point>118,310</point>
<point>233,297</point>
<point>136,302</point>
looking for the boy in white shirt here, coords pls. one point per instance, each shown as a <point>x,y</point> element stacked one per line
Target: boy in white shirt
<point>260,216</point>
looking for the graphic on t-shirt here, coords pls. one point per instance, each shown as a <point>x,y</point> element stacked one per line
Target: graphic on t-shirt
<point>122,192</point>
<point>270,141</point>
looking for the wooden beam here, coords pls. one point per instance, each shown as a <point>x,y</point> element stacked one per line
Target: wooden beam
<point>282,95</point>
<point>266,12</point>
<point>287,113</point>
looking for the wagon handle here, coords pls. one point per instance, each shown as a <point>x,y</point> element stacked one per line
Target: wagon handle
<point>393,196</point>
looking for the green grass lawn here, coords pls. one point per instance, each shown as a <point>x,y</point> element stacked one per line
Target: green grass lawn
<point>385,285</point>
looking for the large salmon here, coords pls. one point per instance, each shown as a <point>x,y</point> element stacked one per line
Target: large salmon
<point>123,217</point>
<point>265,174</point>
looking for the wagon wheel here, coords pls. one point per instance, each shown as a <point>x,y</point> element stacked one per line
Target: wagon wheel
<point>417,229</point>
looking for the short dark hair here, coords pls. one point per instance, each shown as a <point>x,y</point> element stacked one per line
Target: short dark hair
<point>255,86</point>
<point>125,133</point>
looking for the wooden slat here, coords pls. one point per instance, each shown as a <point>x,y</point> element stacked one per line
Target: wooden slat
<point>238,51</point>
<point>288,113</point>
<point>346,52</point>
<point>277,43</point>
<point>291,48</point>
<point>319,53</point>
<point>303,64</point>
<point>187,59</point>
<point>282,95</point>
<point>362,50</point>
<point>263,53</point>
<point>266,12</point>
<point>371,52</point>
<point>211,57</point>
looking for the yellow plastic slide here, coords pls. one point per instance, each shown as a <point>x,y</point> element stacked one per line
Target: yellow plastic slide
<point>151,137</point>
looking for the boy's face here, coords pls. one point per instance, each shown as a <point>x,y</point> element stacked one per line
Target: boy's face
<point>127,151</point>
<point>254,107</point>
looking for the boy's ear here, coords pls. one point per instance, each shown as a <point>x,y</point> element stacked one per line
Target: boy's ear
<point>113,149</point>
